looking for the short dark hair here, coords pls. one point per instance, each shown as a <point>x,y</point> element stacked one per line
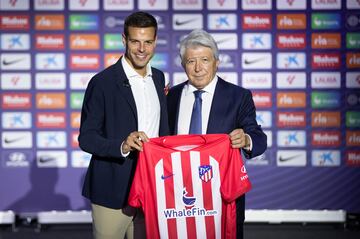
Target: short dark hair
<point>139,19</point>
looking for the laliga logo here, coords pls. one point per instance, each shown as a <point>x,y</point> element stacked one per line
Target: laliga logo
<point>14,80</point>
<point>82,2</point>
<point>221,2</point>
<point>290,2</point>
<point>290,79</point>
<point>152,2</point>
<point>13,2</point>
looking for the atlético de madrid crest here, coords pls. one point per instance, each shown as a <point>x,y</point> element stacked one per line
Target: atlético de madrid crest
<point>205,173</point>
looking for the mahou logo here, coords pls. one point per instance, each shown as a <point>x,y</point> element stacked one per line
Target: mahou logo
<point>353,138</point>
<point>16,101</point>
<point>325,61</point>
<point>49,41</point>
<point>291,119</point>
<point>291,40</point>
<point>256,21</point>
<point>15,22</point>
<point>51,120</point>
<point>85,61</point>
<point>326,138</point>
<point>262,99</point>
<point>352,158</point>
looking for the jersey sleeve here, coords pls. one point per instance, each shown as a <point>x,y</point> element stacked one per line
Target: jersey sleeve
<point>137,191</point>
<point>235,181</point>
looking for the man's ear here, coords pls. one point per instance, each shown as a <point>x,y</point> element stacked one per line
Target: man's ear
<point>123,39</point>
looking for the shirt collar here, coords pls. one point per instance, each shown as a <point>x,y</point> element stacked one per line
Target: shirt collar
<point>130,72</point>
<point>210,88</point>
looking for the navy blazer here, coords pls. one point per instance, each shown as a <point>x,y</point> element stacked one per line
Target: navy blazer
<point>232,107</point>
<point>108,116</point>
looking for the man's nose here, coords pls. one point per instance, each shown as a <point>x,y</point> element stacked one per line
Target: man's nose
<point>198,66</point>
<point>141,47</point>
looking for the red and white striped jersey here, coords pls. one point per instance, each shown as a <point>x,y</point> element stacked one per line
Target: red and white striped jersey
<point>187,184</point>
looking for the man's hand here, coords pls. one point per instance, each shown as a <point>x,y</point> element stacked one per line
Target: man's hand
<point>239,139</point>
<point>134,142</point>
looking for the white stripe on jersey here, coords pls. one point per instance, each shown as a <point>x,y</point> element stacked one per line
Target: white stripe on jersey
<point>161,199</point>
<point>198,193</point>
<point>178,192</point>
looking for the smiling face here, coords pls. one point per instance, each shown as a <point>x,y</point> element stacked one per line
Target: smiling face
<point>140,45</point>
<point>200,65</point>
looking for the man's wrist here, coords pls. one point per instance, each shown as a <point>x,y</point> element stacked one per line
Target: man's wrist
<point>248,143</point>
<point>122,152</point>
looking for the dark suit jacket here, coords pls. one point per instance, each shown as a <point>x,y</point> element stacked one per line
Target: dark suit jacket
<point>108,116</point>
<point>232,107</point>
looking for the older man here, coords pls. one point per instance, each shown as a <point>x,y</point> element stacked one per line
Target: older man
<point>207,104</point>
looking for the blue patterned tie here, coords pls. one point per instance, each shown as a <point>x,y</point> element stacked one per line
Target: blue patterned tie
<point>195,123</point>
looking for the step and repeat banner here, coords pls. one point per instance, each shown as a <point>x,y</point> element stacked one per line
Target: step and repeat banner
<point>301,60</point>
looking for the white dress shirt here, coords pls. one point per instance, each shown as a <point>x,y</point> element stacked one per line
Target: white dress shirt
<point>146,99</point>
<point>185,110</point>
<point>187,101</point>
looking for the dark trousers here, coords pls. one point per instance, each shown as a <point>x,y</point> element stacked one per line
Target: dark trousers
<point>240,217</point>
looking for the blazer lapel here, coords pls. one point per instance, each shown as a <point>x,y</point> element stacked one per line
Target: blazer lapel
<point>177,96</point>
<point>159,90</point>
<point>123,84</point>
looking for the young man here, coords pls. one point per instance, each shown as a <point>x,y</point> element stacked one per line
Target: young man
<point>124,106</point>
<point>220,107</point>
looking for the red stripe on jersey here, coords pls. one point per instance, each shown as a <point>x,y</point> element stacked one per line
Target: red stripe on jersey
<point>169,190</point>
<point>188,186</point>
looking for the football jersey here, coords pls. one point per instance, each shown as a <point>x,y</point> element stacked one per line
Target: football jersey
<point>187,186</point>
